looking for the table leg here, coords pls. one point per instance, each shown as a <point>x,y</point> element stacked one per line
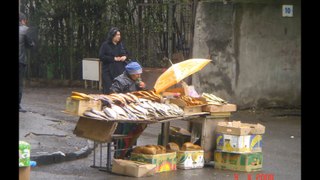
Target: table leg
<point>100,154</point>
<point>109,157</point>
<point>94,153</point>
<point>165,129</point>
<point>85,84</point>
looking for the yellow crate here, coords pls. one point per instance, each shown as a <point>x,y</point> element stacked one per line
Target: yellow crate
<point>164,162</point>
<point>78,107</point>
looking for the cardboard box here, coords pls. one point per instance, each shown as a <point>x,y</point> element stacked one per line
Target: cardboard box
<point>238,128</point>
<point>239,144</point>
<point>132,168</point>
<point>24,154</point>
<point>163,162</point>
<point>24,173</point>
<point>190,159</point>
<point>78,107</point>
<point>96,130</point>
<point>220,108</point>
<point>247,162</point>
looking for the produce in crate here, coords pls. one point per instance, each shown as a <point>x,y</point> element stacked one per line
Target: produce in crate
<point>191,101</point>
<point>150,94</point>
<point>80,96</point>
<point>212,99</point>
<point>138,105</point>
<point>149,149</point>
<point>145,110</point>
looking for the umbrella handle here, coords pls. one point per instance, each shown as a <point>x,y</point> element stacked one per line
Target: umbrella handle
<point>166,58</point>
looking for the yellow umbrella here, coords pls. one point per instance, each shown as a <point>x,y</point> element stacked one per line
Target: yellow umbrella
<point>178,72</point>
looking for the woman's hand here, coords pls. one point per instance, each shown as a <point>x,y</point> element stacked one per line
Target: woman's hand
<point>117,58</point>
<point>123,58</point>
<point>142,85</point>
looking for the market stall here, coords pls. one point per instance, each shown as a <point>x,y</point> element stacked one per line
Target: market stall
<point>99,114</point>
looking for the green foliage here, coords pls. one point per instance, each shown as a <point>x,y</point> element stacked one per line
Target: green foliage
<point>68,31</point>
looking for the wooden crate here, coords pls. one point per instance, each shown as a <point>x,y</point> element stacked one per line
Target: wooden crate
<point>220,108</point>
<point>78,107</point>
<point>220,114</point>
<point>188,110</point>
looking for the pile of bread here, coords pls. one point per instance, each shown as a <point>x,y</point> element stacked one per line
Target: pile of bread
<point>170,147</point>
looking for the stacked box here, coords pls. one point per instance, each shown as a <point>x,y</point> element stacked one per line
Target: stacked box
<point>190,159</point>
<point>132,168</point>
<point>247,162</point>
<point>164,162</point>
<point>239,146</point>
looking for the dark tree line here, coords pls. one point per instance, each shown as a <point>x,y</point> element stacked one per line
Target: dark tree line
<point>70,30</point>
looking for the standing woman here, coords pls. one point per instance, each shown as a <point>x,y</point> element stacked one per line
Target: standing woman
<point>25,41</point>
<point>113,55</point>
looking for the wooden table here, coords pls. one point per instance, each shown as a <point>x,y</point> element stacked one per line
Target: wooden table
<point>201,125</point>
<point>203,129</point>
<point>102,131</point>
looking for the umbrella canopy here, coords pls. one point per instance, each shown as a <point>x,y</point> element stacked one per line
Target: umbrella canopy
<point>178,72</point>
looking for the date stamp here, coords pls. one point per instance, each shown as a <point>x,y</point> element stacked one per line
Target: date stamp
<point>259,176</point>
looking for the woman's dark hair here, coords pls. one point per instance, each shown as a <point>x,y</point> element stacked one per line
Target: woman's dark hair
<point>22,16</point>
<point>113,31</point>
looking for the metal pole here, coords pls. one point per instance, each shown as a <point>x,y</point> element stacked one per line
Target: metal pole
<point>94,153</point>
<point>109,157</point>
<point>165,128</point>
<point>170,16</point>
<point>100,154</point>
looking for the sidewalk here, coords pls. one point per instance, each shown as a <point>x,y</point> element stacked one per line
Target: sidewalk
<point>51,140</point>
<point>48,130</point>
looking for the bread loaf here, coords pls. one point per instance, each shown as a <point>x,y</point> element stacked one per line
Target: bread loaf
<point>162,148</point>
<point>171,146</point>
<point>159,151</point>
<point>186,146</point>
<point>196,147</point>
<point>137,149</point>
<point>148,150</point>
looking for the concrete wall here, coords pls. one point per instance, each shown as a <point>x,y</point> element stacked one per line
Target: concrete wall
<point>255,52</point>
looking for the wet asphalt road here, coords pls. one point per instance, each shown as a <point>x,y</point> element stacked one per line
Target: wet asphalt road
<point>281,143</point>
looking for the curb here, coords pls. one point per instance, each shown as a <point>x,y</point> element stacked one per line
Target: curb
<point>59,156</point>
